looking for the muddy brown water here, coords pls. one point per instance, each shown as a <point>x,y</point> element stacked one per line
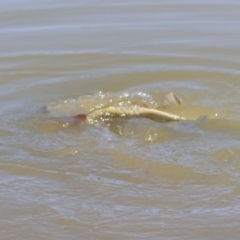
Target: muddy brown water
<point>124,179</point>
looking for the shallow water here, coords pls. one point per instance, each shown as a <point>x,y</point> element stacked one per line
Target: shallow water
<point>126,179</point>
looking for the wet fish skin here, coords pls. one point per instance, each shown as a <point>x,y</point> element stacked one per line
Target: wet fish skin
<point>132,112</point>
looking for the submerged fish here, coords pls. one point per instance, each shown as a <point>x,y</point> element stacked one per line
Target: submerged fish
<point>128,113</point>
<point>107,113</point>
<point>134,112</point>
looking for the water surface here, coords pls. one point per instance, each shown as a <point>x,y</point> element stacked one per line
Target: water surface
<point>129,179</point>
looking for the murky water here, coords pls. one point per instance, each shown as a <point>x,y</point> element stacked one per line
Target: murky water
<point>125,179</point>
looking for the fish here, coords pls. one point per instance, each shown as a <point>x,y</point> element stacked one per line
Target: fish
<point>130,112</point>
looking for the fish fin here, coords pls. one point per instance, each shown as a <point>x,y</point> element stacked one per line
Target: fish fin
<point>81,117</point>
<point>170,100</point>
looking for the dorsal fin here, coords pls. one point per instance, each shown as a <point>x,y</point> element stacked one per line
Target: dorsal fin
<point>170,100</point>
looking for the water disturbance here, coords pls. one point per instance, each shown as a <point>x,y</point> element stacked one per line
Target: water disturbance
<point>119,177</point>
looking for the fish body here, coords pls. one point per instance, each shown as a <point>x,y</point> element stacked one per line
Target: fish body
<point>128,113</point>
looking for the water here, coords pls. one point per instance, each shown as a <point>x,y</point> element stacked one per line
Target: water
<point>128,179</point>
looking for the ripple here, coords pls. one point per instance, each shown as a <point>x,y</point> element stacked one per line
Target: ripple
<point>179,180</point>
